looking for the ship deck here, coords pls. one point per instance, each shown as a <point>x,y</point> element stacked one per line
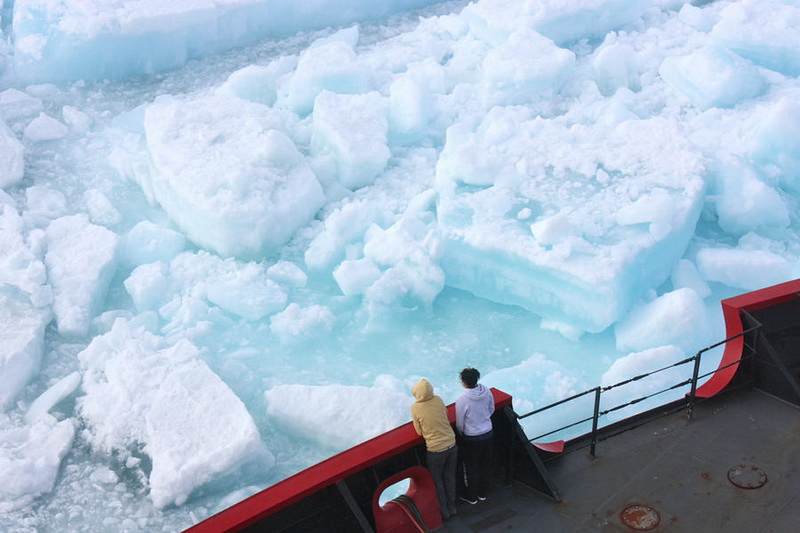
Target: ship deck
<point>673,466</point>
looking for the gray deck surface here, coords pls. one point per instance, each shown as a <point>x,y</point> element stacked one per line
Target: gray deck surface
<point>677,467</point>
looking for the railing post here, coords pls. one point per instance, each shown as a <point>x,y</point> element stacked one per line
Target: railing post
<point>595,418</point>
<point>693,391</point>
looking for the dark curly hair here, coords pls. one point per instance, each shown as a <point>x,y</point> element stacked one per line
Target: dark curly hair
<point>470,377</point>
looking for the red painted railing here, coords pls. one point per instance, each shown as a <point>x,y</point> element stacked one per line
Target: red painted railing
<point>398,440</point>
<point>732,309</point>
<point>321,475</point>
<point>732,312</point>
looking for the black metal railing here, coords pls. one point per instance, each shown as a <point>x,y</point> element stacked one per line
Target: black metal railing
<point>689,400</point>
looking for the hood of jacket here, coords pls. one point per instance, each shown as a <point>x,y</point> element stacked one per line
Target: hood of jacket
<point>478,392</point>
<point>422,390</point>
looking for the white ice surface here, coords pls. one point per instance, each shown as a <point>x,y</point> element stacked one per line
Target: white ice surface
<point>25,300</point>
<point>141,392</point>
<point>712,77</point>
<point>147,242</point>
<point>44,128</point>
<point>81,260</point>
<point>98,39</point>
<point>764,32</point>
<point>640,187</point>
<point>63,388</point>
<point>22,341</point>
<point>30,458</point>
<point>11,157</point>
<point>337,416</point>
<point>294,231</point>
<point>233,181</point>
<point>297,324</point>
<point>351,128</point>
<point>669,319</point>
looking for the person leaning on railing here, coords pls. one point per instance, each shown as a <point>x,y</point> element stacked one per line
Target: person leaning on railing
<point>429,416</point>
<point>474,410</point>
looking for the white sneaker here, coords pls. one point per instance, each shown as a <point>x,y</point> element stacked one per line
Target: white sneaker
<point>468,500</point>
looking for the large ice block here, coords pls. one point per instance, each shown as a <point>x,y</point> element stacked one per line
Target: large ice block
<point>352,129</point>
<point>24,307</point>
<point>103,39</point>
<point>142,392</point>
<point>563,22</point>
<point>81,260</point>
<point>712,77</point>
<point>764,31</point>
<point>337,416</point>
<point>12,163</point>
<point>571,222</point>
<point>30,459</point>
<point>225,172</point>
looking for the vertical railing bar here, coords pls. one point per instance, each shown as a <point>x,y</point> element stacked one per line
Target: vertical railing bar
<point>693,392</point>
<point>692,396</point>
<point>595,419</point>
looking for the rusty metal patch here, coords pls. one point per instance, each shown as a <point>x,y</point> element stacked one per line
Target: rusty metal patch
<point>747,476</point>
<point>640,517</point>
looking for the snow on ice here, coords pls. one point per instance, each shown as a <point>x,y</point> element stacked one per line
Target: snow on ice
<point>138,390</point>
<point>341,407</point>
<point>234,233</point>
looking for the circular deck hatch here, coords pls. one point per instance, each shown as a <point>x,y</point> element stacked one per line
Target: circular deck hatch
<point>747,476</point>
<point>640,517</point>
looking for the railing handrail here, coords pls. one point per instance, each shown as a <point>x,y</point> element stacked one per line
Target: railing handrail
<point>556,404</point>
<point>696,376</point>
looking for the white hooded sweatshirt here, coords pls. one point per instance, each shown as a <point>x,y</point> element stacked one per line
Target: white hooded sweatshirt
<point>474,409</point>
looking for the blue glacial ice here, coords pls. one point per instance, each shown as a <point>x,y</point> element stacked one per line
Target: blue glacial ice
<point>234,233</point>
<point>513,229</point>
<point>102,39</point>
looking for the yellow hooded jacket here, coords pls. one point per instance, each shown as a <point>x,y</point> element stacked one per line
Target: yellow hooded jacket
<point>429,416</point>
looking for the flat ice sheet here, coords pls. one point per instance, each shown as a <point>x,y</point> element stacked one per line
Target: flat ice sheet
<point>568,221</point>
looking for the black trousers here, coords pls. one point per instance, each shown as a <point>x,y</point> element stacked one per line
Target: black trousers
<point>477,455</point>
<point>443,469</point>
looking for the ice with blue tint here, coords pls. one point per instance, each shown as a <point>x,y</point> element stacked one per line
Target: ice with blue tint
<point>350,130</point>
<point>341,406</point>
<point>167,400</point>
<point>103,39</point>
<point>712,77</point>
<point>188,151</point>
<point>514,231</point>
<point>774,142</point>
<point>563,22</point>
<point>11,164</point>
<point>32,455</point>
<point>235,256</point>
<point>26,305</point>
<point>763,32</point>
<point>147,243</point>
<point>644,327</point>
<point>745,201</point>
<point>80,260</point>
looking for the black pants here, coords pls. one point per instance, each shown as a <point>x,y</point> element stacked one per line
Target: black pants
<point>477,454</point>
<point>443,469</point>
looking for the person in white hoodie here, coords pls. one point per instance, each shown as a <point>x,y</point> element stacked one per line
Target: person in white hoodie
<point>474,410</point>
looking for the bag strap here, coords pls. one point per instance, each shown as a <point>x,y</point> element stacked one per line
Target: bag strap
<point>408,506</point>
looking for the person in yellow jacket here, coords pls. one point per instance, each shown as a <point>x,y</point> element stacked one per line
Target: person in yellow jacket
<point>429,416</point>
